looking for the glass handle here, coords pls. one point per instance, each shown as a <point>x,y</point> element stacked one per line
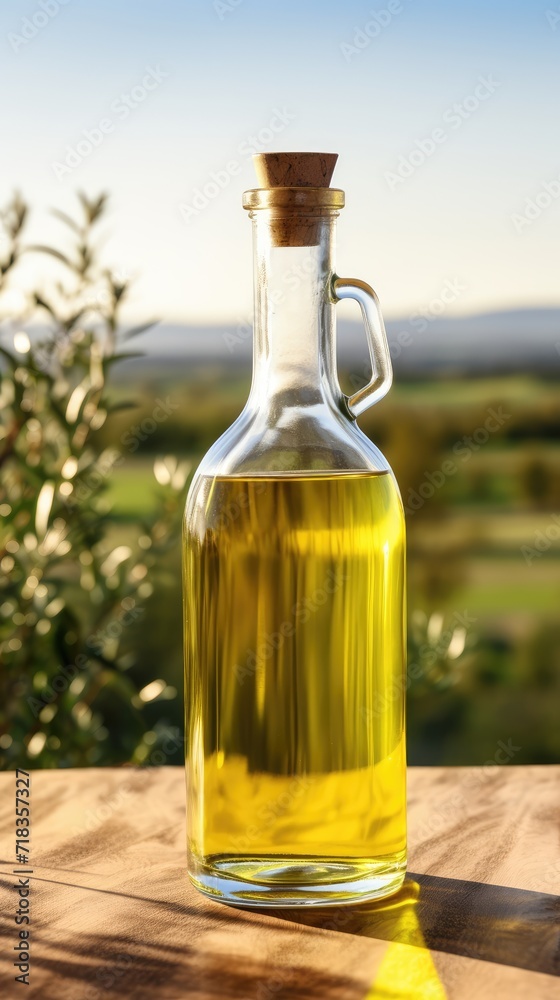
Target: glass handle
<point>382,369</point>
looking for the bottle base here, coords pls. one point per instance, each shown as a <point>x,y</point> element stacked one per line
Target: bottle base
<point>291,881</point>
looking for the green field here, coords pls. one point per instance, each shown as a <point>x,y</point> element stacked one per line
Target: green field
<point>467,546</point>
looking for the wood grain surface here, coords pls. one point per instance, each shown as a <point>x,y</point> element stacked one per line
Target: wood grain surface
<point>113,913</point>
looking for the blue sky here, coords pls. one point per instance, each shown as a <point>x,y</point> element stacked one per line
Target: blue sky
<point>371,81</point>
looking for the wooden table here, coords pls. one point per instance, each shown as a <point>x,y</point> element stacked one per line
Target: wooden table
<point>113,913</point>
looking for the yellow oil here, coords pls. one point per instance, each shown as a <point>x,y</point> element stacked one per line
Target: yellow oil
<point>295,687</point>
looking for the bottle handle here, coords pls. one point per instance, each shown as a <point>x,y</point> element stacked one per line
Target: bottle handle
<point>380,357</point>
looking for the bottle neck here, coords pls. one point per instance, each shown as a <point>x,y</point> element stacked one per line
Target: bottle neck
<point>294,347</point>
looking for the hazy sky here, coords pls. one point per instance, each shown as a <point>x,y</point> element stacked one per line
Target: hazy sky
<point>371,81</point>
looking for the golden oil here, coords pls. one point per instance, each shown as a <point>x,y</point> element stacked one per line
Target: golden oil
<point>294,639</point>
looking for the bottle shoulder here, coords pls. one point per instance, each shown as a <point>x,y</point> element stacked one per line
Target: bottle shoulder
<point>307,439</point>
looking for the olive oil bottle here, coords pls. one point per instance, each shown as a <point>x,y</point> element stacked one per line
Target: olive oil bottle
<point>294,593</point>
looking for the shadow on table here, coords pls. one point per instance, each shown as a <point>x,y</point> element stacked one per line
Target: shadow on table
<point>491,923</point>
<point>153,947</point>
<point>103,966</point>
<point>160,948</point>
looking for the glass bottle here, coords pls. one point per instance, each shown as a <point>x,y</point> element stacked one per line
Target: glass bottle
<point>294,592</point>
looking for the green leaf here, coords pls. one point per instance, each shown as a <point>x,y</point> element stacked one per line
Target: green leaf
<point>125,405</point>
<point>135,331</point>
<point>39,301</point>
<point>9,263</point>
<point>72,320</point>
<point>67,221</point>
<point>123,356</point>
<point>39,248</point>
<point>94,208</point>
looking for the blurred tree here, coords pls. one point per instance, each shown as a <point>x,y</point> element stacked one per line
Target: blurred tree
<point>439,658</point>
<point>539,480</point>
<point>71,592</point>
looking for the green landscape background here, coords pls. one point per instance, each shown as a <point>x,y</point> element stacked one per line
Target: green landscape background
<point>475,548</point>
<point>96,450</point>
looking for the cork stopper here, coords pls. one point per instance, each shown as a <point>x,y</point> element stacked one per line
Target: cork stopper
<point>294,169</point>
<point>295,187</point>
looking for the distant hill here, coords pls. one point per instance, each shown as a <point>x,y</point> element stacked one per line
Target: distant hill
<point>512,340</point>
<point>525,340</point>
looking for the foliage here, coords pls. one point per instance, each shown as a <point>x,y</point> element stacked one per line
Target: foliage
<point>72,594</point>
